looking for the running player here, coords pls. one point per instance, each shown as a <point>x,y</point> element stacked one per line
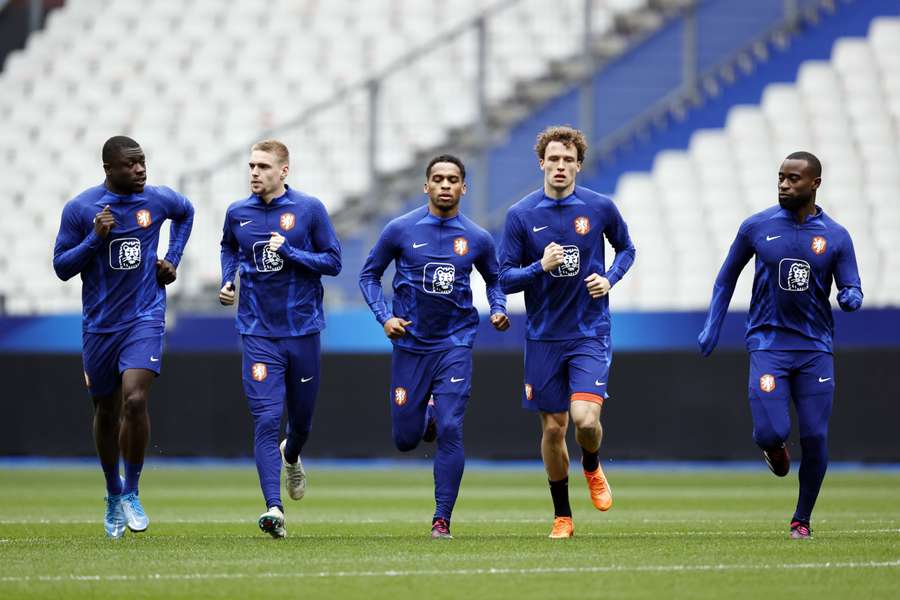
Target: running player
<point>799,250</point>
<point>109,235</point>
<point>553,250</point>
<point>433,323</point>
<point>281,242</point>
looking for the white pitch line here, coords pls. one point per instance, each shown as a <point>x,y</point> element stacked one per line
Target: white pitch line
<point>459,572</point>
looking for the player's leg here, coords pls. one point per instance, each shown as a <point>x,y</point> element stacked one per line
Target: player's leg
<point>140,360</point>
<point>302,385</point>
<point>452,387</point>
<point>769,393</point>
<point>589,361</point>
<point>102,379</point>
<point>547,391</point>
<point>133,438</point>
<point>812,385</point>
<point>263,373</point>
<point>411,376</point>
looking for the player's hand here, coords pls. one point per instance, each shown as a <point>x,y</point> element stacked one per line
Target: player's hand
<point>104,222</point>
<point>165,272</point>
<point>553,256</point>
<point>226,294</point>
<point>597,285</point>
<point>500,321</point>
<point>276,241</point>
<point>395,327</point>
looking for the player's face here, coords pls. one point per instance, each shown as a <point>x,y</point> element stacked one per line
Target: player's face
<point>267,173</point>
<point>560,165</point>
<point>445,186</point>
<point>127,172</point>
<point>796,184</point>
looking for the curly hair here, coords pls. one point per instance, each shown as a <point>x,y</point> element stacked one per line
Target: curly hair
<point>569,136</point>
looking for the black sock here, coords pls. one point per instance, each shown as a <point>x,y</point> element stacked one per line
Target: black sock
<point>590,460</point>
<point>559,491</point>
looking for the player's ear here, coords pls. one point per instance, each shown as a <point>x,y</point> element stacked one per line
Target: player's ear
<point>578,166</point>
<point>425,187</point>
<point>816,183</point>
<point>464,189</point>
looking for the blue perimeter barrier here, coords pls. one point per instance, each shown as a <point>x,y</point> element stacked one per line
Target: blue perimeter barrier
<point>357,331</point>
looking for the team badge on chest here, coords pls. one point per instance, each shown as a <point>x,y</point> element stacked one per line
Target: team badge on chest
<point>461,246</point>
<point>287,221</point>
<point>819,244</point>
<point>582,225</point>
<point>143,218</point>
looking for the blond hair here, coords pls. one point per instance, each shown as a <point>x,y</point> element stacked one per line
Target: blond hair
<point>568,136</point>
<point>273,147</point>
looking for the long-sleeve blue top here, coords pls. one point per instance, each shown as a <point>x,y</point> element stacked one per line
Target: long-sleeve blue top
<point>434,259</point>
<point>557,303</point>
<point>118,273</point>
<point>795,264</point>
<point>281,292</point>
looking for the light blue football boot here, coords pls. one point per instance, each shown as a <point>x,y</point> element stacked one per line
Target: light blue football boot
<point>114,521</point>
<point>135,516</point>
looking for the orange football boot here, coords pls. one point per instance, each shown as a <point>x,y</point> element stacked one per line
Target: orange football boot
<point>598,486</point>
<point>562,528</point>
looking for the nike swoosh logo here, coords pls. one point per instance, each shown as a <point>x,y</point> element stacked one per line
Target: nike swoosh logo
<point>536,229</point>
<point>305,379</point>
<point>597,382</point>
<point>245,222</point>
<point>821,380</point>
<point>769,238</point>
<point>154,359</point>
<point>415,245</point>
<point>455,380</point>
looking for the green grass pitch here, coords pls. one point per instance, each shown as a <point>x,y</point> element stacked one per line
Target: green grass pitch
<point>364,534</point>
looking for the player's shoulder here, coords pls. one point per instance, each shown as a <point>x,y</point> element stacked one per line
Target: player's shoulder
<point>302,198</point>
<point>474,229</point>
<point>161,192</point>
<point>759,218</point>
<point>526,203</point>
<point>238,205</point>
<point>592,198</point>
<point>87,197</point>
<point>406,219</point>
<point>833,226</point>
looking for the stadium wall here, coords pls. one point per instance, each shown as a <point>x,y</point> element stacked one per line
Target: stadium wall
<point>663,405</point>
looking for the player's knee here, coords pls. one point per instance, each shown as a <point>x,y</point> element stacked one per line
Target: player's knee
<point>134,403</point>
<point>267,421</point>
<point>586,423</point>
<point>554,433</point>
<point>768,437</point>
<point>406,440</point>
<point>818,439</point>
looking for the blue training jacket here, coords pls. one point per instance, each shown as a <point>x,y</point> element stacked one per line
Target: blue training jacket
<point>557,303</point>
<point>118,274</point>
<point>281,292</point>
<point>434,259</point>
<point>795,263</point>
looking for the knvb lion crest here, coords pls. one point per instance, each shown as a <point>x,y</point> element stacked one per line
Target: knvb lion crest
<point>287,221</point>
<point>461,246</point>
<point>529,393</point>
<point>767,383</point>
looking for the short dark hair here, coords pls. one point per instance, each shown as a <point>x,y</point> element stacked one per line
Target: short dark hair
<point>811,160</point>
<point>115,145</point>
<point>447,158</point>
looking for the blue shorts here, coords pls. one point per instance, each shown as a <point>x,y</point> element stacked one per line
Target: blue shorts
<point>558,372</point>
<point>107,355</point>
